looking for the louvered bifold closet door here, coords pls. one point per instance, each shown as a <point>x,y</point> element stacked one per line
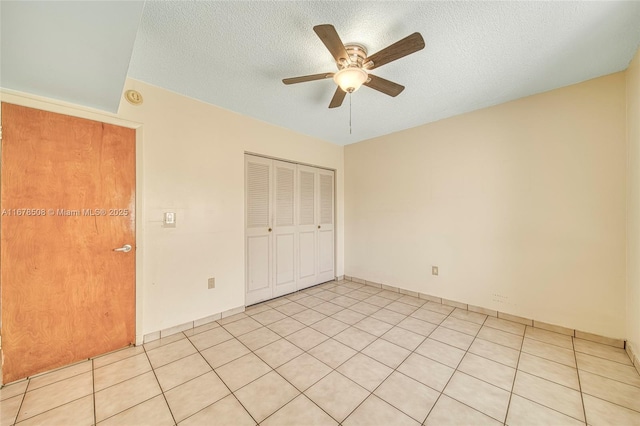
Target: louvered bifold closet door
<point>258,227</point>
<point>284,229</point>
<point>307,226</point>
<point>326,226</point>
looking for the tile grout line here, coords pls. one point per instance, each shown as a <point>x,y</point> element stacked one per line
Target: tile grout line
<point>93,388</point>
<point>575,357</point>
<point>515,375</point>
<point>24,395</point>
<point>160,386</point>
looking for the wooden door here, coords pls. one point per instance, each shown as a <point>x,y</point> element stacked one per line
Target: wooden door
<point>307,227</point>
<point>284,229</point>
<point>325,228</point>
<point>67,201</point>
<point>258,229</point>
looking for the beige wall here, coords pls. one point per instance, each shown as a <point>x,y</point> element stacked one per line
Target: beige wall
<point>633,205</point>
<point>192,162</point>
<point>521,205</point>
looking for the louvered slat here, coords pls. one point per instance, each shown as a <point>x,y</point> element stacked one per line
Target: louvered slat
<point>284,196</point>
<point>326,199</point>
<point>307,202</point>
<point>257,195</point>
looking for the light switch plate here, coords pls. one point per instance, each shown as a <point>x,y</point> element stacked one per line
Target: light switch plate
<point>169,220</point>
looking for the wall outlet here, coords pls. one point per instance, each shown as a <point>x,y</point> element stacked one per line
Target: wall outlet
<point>434,270</point>
<point>211,283</point>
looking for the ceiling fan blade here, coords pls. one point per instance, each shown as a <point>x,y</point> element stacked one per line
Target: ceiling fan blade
<point>397,50</point>
<point>385,86</point>
<point>331,39</point>
<point>338,97</point>
<point>302,79</point>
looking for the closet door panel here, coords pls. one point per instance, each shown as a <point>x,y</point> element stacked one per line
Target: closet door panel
<point>326,219</point>
<point>307,226</point>
<point>284,228</point>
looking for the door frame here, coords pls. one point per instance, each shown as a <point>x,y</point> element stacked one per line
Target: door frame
<point>335,210</point>
<point>61,107</point>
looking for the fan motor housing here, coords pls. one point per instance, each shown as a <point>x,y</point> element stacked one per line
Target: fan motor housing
<point>357,54</point>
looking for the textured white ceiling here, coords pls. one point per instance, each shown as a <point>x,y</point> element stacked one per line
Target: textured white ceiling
<point>234,54</point>
<point>73,51</point>
<point>477,54</point>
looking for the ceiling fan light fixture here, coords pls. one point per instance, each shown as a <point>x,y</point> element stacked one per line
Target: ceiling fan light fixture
<point>350,79</point>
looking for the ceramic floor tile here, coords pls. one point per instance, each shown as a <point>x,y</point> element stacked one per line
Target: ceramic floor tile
<point>309,317</point>
<point>449,412</point>
<point>77,413</point>
<point>9,410</point>
<point>210,338</point>
<point>176,373</point>
<point>245,325</point>
<point>602,351</point>
<point>258,338</point>
<point>310,301</point>
<point>438,307</point>
<point>300,411</point>
<point>441,352</point>
<point>491,372</point>
<point>386,352</point>
<point>360,295</point>
<point>429,316</point>
<point>523,412</point>
<point>201,328</point>
<point>194,395</point>
<point>224,352</point>
<point>171,352</point>
<point>266,395</point>
<point>329,326</point>
<point>303,371</point>
<point>610,390</point>
<point>55,395</point>
<point>414,301</point>
<point>500,337</point>
<point>355,338</point>
<point>388,316</point>
<point>153,412</point>
<point>549,351</point>
<point>326,295</point>
<point>482,396</point>
<point>549,394</point>
<point>14,389</point>
<point>296,296</point>
<point>306,338</point>
<point>332,353</point>
<point>328,308</point>
<point>344,301</point>
<point>337,395</point>
<point>417,326</point>
<point>278,352</point>
<point>365,371</point>
<point>291,308</point>
<point>426,371</point>
<point>610,369</point>
<point>401,308</point>
<point>120,371</point>
<point>243,370</point>
<point>495,352</point>
<point>348,316</point>
<point>270,316</point>
<point>462,326</point>
<point>600,412</point>
<point>505,325</point>
<point>164,341</point>
<point>240,315</point>
<point>469,316</point>
<point>125,395</point>
<point>404,338</point>
<point>373,326</point>
<point>374,411</point>
<point>227,411</point>
<point>549,337</point>
<point>261,307</point>
<point>553,371</point>
<point>378,301</point>
<point>60,374</point>
<point>452,337</point>
<point>366,308</point>
<point>388,294</point>
<point>286,326</point>
<point>278,302</point>
<point>407,395</point>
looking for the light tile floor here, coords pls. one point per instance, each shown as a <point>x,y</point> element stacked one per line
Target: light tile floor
<point>341,353</point>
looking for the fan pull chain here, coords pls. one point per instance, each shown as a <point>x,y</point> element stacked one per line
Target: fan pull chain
<point>349,113</point>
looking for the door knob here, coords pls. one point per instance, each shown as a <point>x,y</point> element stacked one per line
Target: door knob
<point>269,229</point>
<point>125,248</point>
<point>318,226</point>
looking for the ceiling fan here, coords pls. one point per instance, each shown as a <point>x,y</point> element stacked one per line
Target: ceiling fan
<point>354,64</point>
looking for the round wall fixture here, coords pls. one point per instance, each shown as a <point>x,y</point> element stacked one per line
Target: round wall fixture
<point>133,97</point>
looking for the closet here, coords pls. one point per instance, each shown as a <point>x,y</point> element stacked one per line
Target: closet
<point>289,227</point>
